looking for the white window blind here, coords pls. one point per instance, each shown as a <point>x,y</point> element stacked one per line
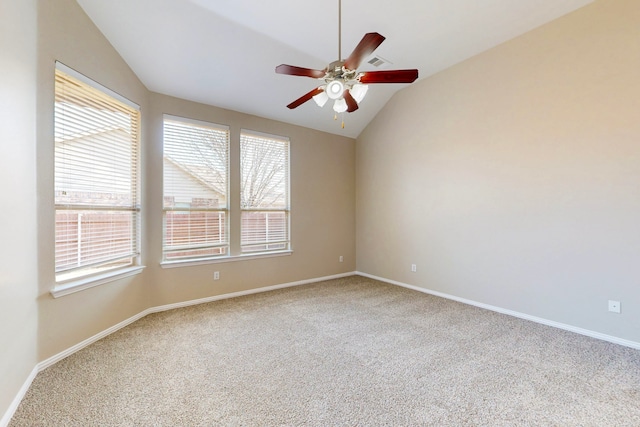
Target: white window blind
<point>96,179</point>
<point>264,197</point>
<point>196,176</point>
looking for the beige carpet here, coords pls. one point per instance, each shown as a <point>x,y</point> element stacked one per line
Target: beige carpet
<point>348,352</point>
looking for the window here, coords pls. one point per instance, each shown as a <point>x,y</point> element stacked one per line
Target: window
<point>264,192</point>
<point>97,208</point>
<point>196,170</point>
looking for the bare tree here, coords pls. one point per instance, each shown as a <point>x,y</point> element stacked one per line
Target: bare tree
<point>211,152</point>
<point>264,173</point>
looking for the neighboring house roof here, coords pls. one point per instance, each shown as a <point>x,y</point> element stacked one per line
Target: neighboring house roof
<point>84,129</point>
<point>200,174</point>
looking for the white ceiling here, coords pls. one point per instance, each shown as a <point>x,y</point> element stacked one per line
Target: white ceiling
<point>224,52</point>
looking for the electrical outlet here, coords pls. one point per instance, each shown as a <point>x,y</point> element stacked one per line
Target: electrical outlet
<point>614,306</point>
<point>413,268</point>
<point>341,258</point>
<point>216,275</point>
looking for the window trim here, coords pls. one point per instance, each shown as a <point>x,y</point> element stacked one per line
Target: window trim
<point>76,285</point>
<point>287,210</point>
<point>234,253</point>
<point>230,258</point>
<point>86,281</point>
<point>226,210</point>
<point>86,80</point>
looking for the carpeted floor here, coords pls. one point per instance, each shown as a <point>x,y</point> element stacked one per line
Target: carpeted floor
<point>347,352</point>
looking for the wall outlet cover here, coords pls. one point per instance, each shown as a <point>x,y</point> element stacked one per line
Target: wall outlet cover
<point>614,306</point>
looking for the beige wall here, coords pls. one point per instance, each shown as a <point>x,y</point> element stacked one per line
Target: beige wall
<point>18,280</point>
<point>513,179</point>
<point>322,187</point>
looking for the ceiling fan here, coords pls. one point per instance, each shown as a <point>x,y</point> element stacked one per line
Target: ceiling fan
<point>341,80</point>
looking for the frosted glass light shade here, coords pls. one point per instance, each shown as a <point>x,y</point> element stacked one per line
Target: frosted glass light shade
<point>358,91</point>
<point>340,106</point>
<point>321,99</point>
<point>334,89</point>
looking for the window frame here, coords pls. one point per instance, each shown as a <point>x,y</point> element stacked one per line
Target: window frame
<point>286,210</point>
<point>234,206</point>
<point>81,277</point>
<point>226,245</point>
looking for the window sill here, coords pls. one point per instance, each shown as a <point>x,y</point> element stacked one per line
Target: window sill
<point>189,263</point>
<point>78,285</point>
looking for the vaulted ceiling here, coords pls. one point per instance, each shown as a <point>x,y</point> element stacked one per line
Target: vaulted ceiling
<point>224,52</point>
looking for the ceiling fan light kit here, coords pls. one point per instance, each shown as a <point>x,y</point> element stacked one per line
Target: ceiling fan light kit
<point>342,82</point>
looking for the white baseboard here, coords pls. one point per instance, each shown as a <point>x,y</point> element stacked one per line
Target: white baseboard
<point>4,422</point>
<point>68,352</point>
<point>56,358</point>
<point>247,292</point>
<point>570,328</point>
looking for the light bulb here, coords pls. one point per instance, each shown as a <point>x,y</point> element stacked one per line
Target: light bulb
<point>340,106</point>
<point>334,89</point>
<point>321,98</point>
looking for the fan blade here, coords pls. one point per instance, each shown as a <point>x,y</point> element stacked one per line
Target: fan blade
<point>299,71</point>
<point>304,98</point>
<point>392,76</point>
<point>352,105</point>
<point>367,45</point>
